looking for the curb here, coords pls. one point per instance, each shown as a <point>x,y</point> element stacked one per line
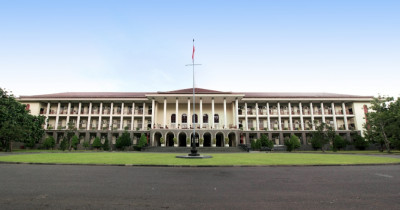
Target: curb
<point>196,166</point>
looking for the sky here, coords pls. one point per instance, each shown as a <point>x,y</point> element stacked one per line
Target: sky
<point>348,47</point>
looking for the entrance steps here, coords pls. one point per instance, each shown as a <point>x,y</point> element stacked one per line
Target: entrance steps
<point>199,149</point>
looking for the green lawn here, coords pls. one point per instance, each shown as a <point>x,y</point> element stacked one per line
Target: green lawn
<point>137,158</point>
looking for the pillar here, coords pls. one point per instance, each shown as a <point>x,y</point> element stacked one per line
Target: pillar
<point>345,116</point>
<point>225,126</point>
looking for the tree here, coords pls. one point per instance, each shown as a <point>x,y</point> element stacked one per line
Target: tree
<point>49,142</point>
<point>64,144</point>
<point>70,133</point>
<point>292,143</point>
<point>16,124</point>
<point>106,145</point>
<point>383,123</point>
<point>74,142</point>
<point>97,143</point>
<point>265,142</point>
<point>123,141</point>
<point>322,136</point>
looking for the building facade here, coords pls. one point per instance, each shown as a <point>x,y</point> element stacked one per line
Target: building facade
<point>219,116</point>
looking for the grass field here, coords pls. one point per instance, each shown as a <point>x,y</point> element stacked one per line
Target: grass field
<point>137,158</point>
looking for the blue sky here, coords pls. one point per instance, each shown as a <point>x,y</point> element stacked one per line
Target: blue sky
<point>279,46</point>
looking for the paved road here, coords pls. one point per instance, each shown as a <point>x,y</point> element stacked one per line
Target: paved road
<point>116,187</point>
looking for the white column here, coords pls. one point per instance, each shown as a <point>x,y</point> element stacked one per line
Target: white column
<point>153,110</point>
<point>290,116</point>
<point>189,116</point>
<point>257,119</point>
<point>279,116</point>
<point>346,126</point>
<point>122,115</point>
<point>111,114</point>
<point>47,115</point>
<point>165,113</point>
<point>90,115</point>
<point>177,117</point>
<point>144,108</point>
<point>133,114</point>
<point>225,125</point>
<point>212,113</point>
<point>201,113</point>
<point>268,117</point>
<point>301,116</point>
<point>100,115</point>
<point>312,116</point>
<point>334,116</point>
<point>237,113</point>
<point>57,115</point>
<point>79,115</point>
<point>323,112</point>
<point>245,117</point>
<point>68,113</point>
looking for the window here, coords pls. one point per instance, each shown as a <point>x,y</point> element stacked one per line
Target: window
<point>205,118</point>
<point>184,118</point>
<point>194,118</point>
<point>216,118</point>
<point>173,118</point>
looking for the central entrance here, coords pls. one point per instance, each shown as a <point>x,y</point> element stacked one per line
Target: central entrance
<point>182,139</point>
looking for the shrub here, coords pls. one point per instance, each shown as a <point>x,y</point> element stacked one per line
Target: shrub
<point>265,142</point>
<point>187,140</point>
<point>97,143</point>
<point>74,142</point>
<point>360,143</point>
<point>214,141</point>
<point>255,144</point>
<point>201,141</point>
<point>162,141</point>
<point>64,144</point>
<point>226,140</point>
<point>175,140</point>
<point>292,143</point>
<point>338,143</point>
<point>85,145</point>
<point>316,142</point>
<point>106,145</point>
<point>123,141</point>
<point>142,142</point>
<point>49,142</point>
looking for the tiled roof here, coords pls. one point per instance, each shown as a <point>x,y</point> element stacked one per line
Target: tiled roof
<point>91,95</point>
<point>298,95</point>
<point>197,90</point>
<point>190,91</point>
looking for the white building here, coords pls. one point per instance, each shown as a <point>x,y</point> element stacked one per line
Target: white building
<point>238,116</point>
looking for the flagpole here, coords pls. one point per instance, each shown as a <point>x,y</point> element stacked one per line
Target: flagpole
<point>194,150</point>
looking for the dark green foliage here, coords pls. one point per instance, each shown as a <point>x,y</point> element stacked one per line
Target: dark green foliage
<point>338,143</point>
<point>383,123</point>
<point>322,136</point>
<point>64,144</point>
<point>359,142</point>
<point>106,145</point>
<point>316,142</point>
<point>142,141</point>
<point>255,144</point>
<point>265,142</point>
<point>123,141</point>
<point>74,142</point>
<point>49,142</point>
<point>97,143</point>
<point>16,124</point>
<point>85,144</point>
<point>292,143</point>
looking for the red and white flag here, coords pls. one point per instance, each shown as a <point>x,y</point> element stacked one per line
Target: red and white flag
<point>193,52</point>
